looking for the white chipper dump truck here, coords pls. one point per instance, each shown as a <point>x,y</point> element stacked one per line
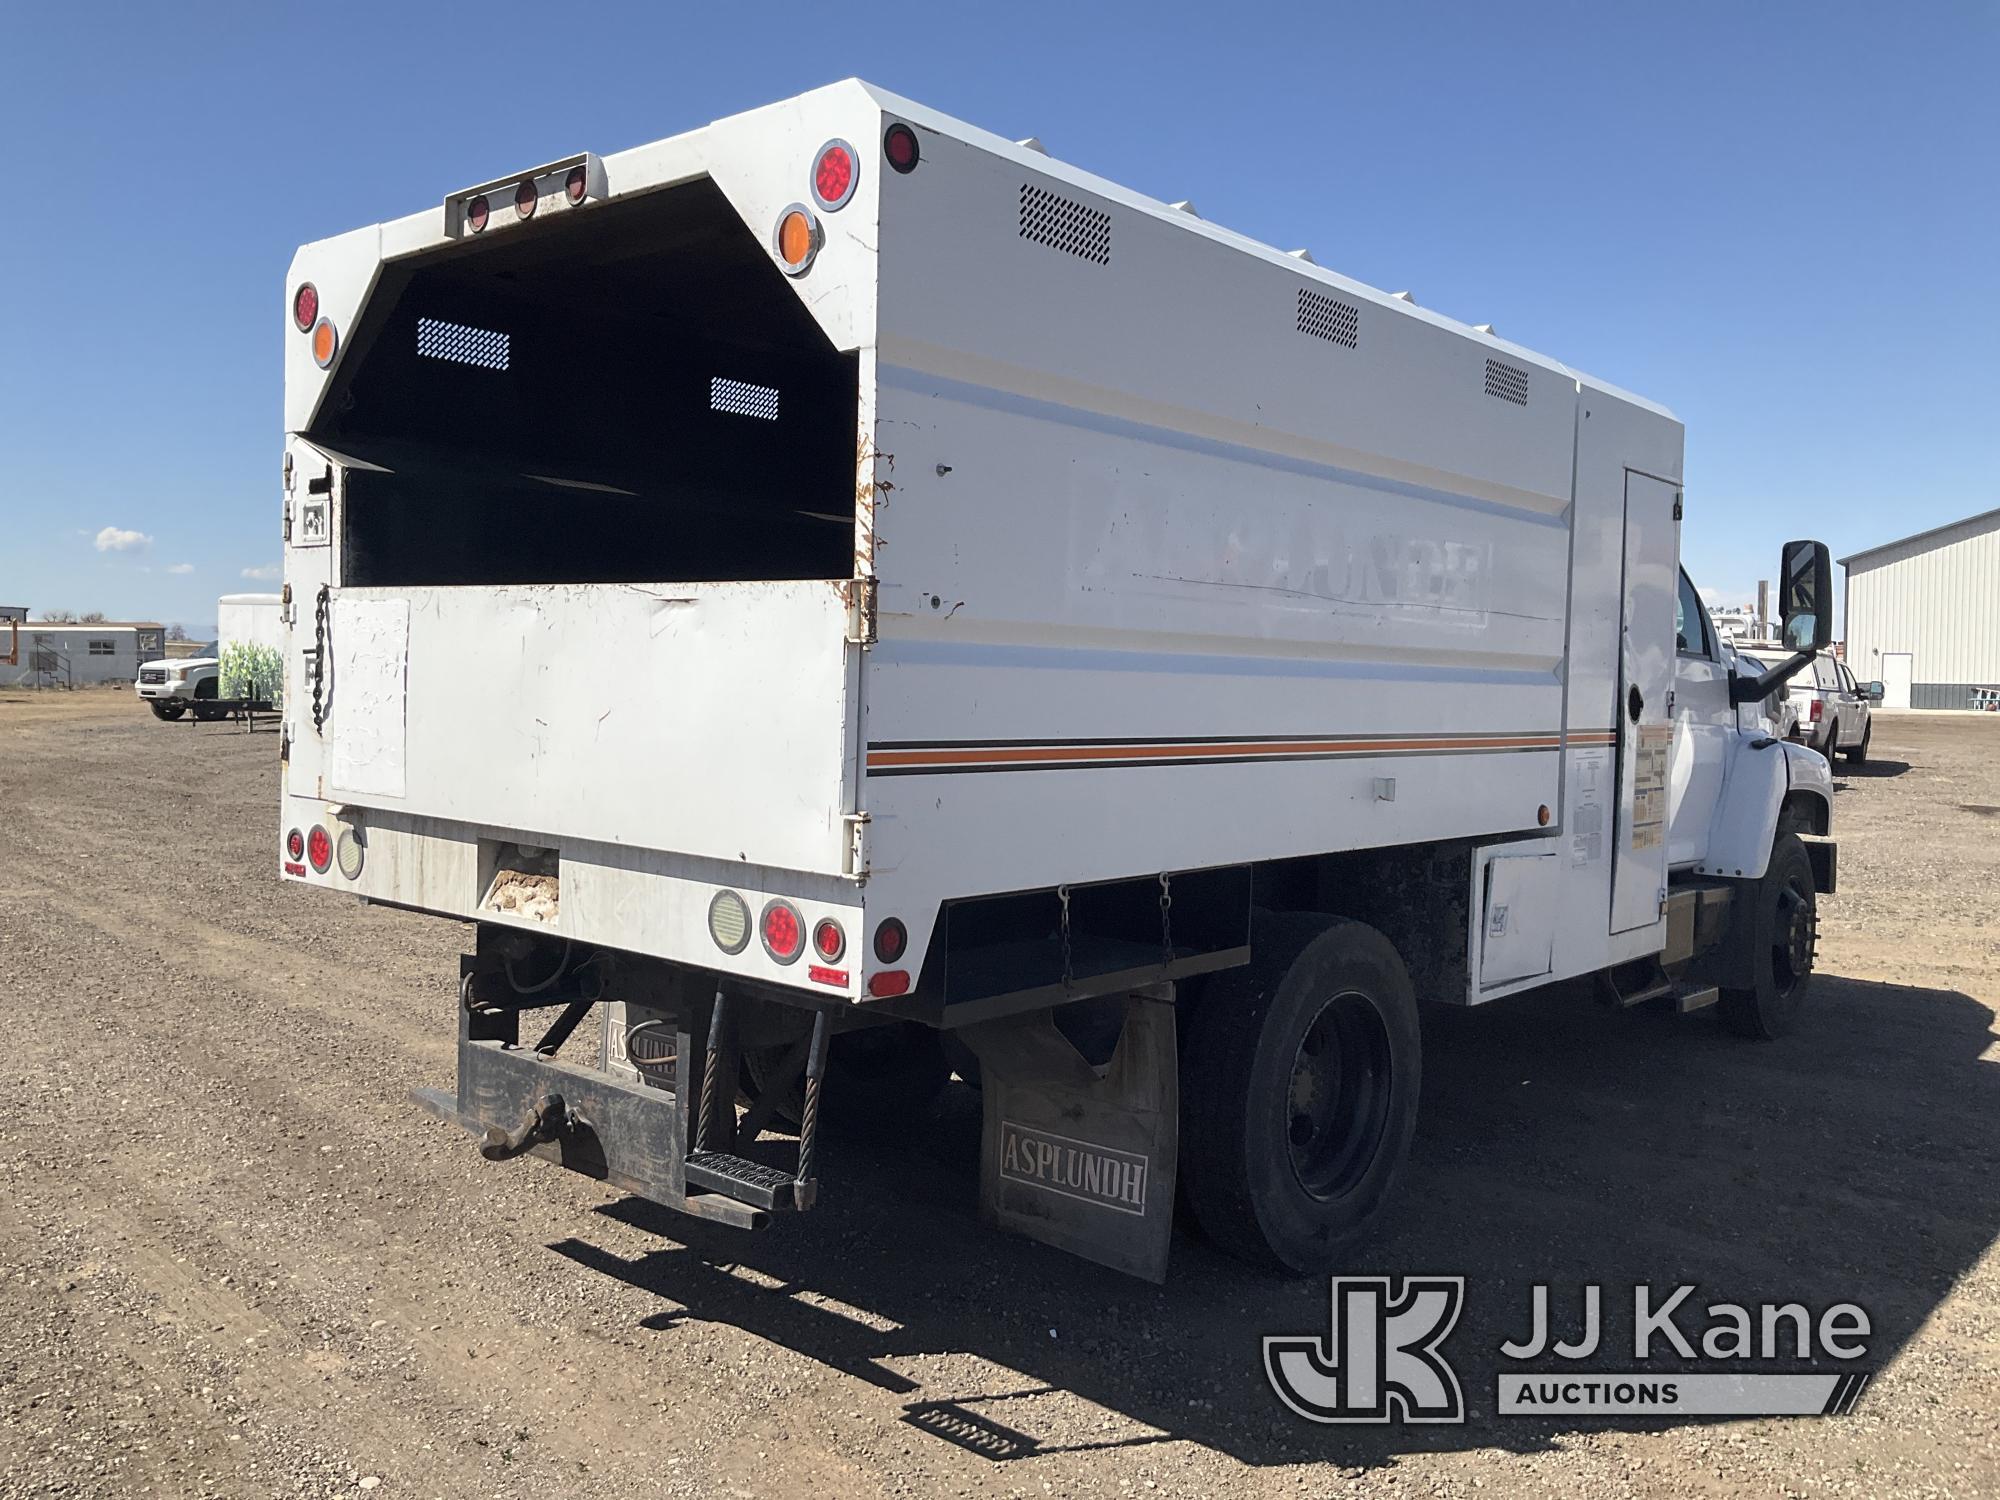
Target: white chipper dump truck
<point>844,596</point>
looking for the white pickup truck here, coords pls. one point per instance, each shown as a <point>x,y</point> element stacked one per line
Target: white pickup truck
<point>836,579</point>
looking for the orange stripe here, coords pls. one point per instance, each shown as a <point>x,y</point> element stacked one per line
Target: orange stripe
<point>1013,755</point>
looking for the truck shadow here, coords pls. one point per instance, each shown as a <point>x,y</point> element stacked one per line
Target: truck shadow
<point>1868,770</point>
<point>1561,1143</point>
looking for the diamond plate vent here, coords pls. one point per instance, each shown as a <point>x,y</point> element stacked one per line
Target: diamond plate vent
<point>1508,382</point>
<point>482,347</point>
<point>742,398</point>
<point>1064,224</point>
<point>1330,318</point>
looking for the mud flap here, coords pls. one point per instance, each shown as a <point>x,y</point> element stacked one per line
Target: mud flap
<point>1078,1157</point>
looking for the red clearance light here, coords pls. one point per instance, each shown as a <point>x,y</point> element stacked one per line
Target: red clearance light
<point>783,931</point>
<point>828,940</point>
<point>305,306</point>
<point>295,844</point>
<point>892,939</point>
<point>576,184</point>
<point>899,145</point>
<point>835,977</point>
<point>319,848</point>
<point>477,212</point>
<point>836,173</point>
<point>888,984</point>
<point>525,200</point>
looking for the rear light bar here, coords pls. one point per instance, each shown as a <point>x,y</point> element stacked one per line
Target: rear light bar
<point>568,183</point>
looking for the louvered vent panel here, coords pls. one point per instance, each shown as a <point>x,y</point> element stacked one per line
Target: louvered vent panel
<point>437,339</point>
<point>742,398</point>
<point>1329,318</point>
<point>1064,224</point>
<point>1508,382</point>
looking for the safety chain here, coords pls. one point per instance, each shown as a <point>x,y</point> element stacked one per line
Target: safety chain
<point>319,658</point>
<point>1068,970</point>
<point>1167,914</point>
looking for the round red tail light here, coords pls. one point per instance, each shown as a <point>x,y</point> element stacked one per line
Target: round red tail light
<point>477,212</point>
<point>892,940</point>
<point>305,306</point>
<point>319,848</point>
<point>899,145</point>
<point>295,845</point>
<point>783,931</point>
<point>828,940</point>
<point>576,184</point>
<point>525,200</point>
<point>836,173</point>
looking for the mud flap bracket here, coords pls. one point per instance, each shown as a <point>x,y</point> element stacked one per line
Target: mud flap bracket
<point>1078,1157</point>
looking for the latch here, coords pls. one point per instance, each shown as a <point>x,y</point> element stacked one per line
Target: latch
<point>857,845</point>
<point>860,596</point>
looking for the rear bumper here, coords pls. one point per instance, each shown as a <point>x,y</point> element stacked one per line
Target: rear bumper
<point>649,902</point>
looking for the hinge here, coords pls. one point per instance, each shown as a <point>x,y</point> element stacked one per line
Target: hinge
<point>1677,505</point>
<point>856,853</point>
<point>288,520</point>
<point>860,594</point>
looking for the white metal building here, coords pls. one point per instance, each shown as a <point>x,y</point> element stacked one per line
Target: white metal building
<point>81,655</point>
<point>1923,614</point>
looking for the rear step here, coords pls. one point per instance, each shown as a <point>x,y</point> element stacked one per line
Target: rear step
<point>746,1181</point>
<point>633,1134</point>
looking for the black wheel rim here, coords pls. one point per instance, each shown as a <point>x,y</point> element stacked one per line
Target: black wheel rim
<point>1793,936</point>
<point>1337,1105</point>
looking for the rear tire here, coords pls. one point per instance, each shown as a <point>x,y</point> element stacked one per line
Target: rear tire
<point>1299,1082</point>
<point>167,711</point>
<point>1776,930</point>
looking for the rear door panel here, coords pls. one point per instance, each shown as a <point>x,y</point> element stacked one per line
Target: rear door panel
<point>707,718</point>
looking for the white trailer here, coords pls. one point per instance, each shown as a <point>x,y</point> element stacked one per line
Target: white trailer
<point>836,578</point>
<point>243,676</point>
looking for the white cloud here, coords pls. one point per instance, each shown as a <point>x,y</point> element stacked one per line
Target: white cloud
<point>264,574</point>
<point>113,539</point>
<point>181,568</point>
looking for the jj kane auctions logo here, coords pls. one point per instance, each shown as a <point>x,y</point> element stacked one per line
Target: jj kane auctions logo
<point>1382,1359</point>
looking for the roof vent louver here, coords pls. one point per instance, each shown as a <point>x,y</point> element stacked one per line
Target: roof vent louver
<point>1508,382</point>
<point>1329,318</point>
<point>1064,224</point>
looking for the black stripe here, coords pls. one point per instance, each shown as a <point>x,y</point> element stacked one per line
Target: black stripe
<point>1191,760</point>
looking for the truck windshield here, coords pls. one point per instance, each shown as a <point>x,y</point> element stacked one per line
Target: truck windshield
<point>630,393</point>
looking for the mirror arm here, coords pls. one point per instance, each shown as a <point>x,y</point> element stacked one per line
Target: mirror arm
<point>1744,690</point>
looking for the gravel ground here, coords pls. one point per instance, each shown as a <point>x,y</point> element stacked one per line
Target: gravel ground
<point>237,1262</point>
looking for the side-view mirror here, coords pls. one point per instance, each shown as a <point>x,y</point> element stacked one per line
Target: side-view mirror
<point>1805,596</point>
<point>1873,692</point>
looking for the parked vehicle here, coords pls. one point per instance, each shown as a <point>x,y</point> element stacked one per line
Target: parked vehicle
<point>1829,711</point>
<point>244,671</point>
<point>1781,706</point>
<point>837,578</point>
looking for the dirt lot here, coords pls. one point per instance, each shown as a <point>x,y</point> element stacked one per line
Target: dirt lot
<point>237,1262</point>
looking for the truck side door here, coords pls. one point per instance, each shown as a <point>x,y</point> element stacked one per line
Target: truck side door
<point>1704,721</point>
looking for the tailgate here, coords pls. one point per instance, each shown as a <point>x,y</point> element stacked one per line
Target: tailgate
<point>702,718</point>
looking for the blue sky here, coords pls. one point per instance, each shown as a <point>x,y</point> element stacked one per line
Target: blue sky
<point>1783,221</point>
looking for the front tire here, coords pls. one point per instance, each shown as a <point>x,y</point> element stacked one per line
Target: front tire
<point>167,711</point>
<point>1299,1082</point>
<point>1775,933</point>
<point>1858,754</point>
